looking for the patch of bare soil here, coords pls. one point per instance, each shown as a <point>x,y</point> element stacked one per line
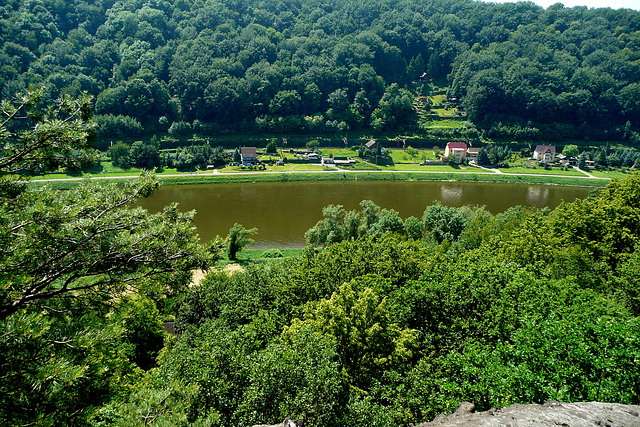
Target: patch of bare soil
<point>198,275</point>
<point>233,268</point>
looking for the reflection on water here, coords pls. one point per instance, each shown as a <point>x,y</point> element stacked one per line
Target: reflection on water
<point>537,196</point>
<point>451,195</point>
<point>283,211</point>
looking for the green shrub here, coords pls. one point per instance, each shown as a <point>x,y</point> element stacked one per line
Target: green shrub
<point>272,253</point>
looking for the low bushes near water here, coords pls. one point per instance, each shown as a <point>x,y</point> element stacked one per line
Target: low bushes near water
<point>272,253</point>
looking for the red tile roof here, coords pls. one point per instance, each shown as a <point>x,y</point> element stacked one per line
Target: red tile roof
<point>460,145</point>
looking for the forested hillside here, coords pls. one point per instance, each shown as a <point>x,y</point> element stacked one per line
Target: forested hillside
<point>221,66</point>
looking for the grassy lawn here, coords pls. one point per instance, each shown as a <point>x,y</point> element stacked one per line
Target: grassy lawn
<point>107,170</point>
<point>542,171</point>
<point>254,256</point>
<point>449,124</point>
<point>608,174</point>
<point>338,152</point>
<point>401,156</point>
<point>289,167</point>
<point>413,167</point>
<point>437,99</point>
<point>444,113</point>
<point>298,167</point>
<point>272,157</point>
<point>361,166</point>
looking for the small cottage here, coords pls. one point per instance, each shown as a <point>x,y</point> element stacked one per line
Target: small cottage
<point>249,156</point>
<point>545,153</point>
<point>371,145</point>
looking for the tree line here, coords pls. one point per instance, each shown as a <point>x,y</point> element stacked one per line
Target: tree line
<point>220,66</point>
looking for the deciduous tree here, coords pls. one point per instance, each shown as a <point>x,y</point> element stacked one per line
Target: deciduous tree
<point>65,255</point>
<point>237,239</point>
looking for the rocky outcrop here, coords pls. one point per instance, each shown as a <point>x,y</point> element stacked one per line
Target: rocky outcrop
<point>553,414</point>
<point>550,414</point>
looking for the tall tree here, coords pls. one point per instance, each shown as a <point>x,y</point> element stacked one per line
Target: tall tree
<point>237,239</point>
<point>65,258</point>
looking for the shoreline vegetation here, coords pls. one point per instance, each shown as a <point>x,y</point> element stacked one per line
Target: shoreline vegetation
<point>342,175</point>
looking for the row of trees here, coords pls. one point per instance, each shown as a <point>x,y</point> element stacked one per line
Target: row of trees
<point>148,156</point>
<point>521,71</point>
<point>604,158</point>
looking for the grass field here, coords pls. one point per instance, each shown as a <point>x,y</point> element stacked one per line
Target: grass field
<point>401,156</point>
<point>252,256</point>
<point>608,174</point>
<point>542,171</point>
<point>107,169</point>
<point>429,168</point>
<point>338,152</point>
<point>449,124</point>
<point>437,99</point>
<point>289,167</point>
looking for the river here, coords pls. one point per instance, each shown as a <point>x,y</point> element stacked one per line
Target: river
<point>283,211</point>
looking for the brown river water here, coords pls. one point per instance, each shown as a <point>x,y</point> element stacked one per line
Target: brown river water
<point>283,211</point>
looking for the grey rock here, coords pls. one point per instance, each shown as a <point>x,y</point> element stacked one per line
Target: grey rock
<point>550,414</point>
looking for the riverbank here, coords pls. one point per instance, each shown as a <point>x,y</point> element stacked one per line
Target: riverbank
<point>344,175</point>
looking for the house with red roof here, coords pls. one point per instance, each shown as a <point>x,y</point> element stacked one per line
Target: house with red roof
<point>458,150</point>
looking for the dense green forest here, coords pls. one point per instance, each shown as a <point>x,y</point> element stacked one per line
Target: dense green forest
<point>380,321</point>
<point>222,66</point>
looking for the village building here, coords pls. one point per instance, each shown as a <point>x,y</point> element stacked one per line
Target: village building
<point>249,156</point>
<point>342,161</point>
<point>372,144</point>
<point>457,150</point>
<point>545,153</point>
<point>472,152</point>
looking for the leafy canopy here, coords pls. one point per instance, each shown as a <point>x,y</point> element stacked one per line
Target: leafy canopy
<point>66,258</point>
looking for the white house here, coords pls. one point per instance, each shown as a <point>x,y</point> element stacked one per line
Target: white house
<point>457,150</point>
<point>545,153</point>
